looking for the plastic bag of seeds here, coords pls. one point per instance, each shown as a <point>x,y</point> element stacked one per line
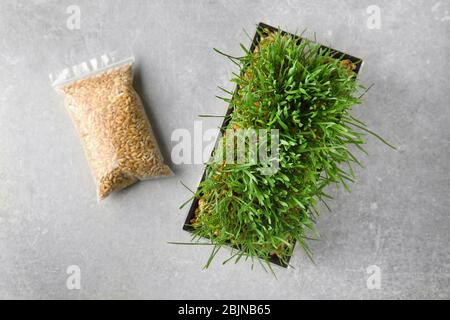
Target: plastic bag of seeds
<point>111,121</point>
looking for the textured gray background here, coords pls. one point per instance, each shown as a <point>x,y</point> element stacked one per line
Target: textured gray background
<point>397,216</point>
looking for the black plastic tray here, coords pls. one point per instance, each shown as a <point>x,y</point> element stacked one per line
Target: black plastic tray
<point>261,26</point>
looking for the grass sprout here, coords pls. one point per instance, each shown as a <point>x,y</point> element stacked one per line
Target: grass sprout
<point>306,93</point>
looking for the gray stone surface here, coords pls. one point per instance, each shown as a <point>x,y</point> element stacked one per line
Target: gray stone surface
<point>397,216</point>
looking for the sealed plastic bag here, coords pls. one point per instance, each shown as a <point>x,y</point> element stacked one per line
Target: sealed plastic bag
<point>110,119</point>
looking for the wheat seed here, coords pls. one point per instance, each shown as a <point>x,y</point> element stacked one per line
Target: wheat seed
<point>116,134</point>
